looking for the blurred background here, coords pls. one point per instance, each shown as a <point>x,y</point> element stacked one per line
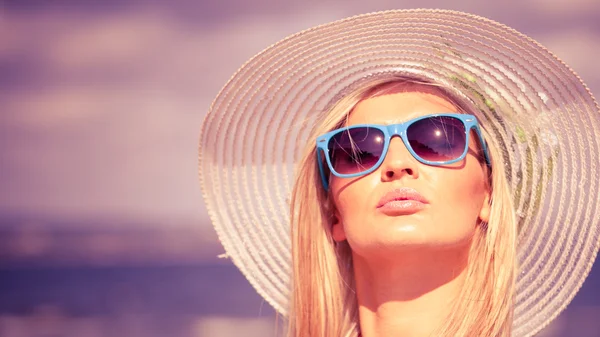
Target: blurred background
<point>103,231</point>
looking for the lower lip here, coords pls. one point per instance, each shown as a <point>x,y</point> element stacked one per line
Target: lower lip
<point>402,207</point>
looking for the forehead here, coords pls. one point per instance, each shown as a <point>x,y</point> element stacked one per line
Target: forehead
<point>396,106</point>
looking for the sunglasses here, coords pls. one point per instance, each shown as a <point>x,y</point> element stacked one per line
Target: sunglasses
<point>439,139</point>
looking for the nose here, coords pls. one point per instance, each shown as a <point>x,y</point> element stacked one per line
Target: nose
<point>398,162</point>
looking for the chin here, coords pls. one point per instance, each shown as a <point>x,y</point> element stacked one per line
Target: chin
<point>413,237</point>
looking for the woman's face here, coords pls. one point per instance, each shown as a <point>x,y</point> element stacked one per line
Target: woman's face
<point>404,203</point>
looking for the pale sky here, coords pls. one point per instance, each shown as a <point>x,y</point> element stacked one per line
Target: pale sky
<point>101,104</point>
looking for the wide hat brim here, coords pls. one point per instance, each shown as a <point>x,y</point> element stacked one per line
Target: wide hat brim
<point>539,112</point>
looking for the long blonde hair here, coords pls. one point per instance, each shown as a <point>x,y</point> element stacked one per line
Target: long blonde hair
<point>323,299</point>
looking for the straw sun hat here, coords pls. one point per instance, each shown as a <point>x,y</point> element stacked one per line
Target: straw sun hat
<point>539,112</point>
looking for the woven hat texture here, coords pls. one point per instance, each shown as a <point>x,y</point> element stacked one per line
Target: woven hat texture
<point>539,112</point>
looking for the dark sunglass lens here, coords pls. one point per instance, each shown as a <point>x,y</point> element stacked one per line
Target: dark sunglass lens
<point>355,150</point>
<point>437,139</point>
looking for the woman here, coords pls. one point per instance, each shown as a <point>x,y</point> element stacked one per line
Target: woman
<point>405,245</point>
<point>468,206</point>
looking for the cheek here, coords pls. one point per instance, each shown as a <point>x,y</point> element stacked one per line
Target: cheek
<point>347,196</point>
<point>461,200</point>
<point>459,188</point>
<point>351,198</point>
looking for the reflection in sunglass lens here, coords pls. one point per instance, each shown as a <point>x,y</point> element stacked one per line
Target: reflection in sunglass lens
<point>437,138</point>
<point>356,149</point>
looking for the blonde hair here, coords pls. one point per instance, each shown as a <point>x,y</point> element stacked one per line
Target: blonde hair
<point>323,299</point>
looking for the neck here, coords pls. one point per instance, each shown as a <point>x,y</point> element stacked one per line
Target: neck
<point>409,295</point>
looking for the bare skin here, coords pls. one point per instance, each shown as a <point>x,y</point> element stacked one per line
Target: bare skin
<point>409,265</point>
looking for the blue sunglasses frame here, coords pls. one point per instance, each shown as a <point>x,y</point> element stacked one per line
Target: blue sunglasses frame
<point>389,131</point>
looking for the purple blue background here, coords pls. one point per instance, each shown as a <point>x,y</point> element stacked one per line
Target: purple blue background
<point>103,231</point>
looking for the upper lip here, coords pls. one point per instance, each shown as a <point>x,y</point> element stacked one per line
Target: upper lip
<point>403,193</point>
